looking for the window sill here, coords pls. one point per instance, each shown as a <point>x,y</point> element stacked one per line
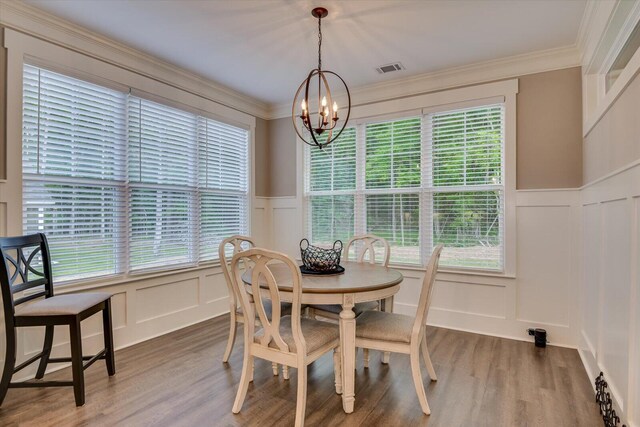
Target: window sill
<point>453,273</point>
<point>116,280</point>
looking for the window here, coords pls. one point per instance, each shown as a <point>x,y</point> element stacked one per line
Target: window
<point>619,64</point>
<point>122,184</point>
<point>418,182</point>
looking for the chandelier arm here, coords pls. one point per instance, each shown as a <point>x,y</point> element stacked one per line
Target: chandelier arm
<point>344,125</point>
<point>328,92</point>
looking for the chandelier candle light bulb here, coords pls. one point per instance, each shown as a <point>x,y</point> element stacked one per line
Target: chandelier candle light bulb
<point>327,114</point>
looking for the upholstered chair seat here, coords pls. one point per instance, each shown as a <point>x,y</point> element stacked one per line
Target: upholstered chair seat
<point>60,305</point>
<point>317,334</point>
<point>378,325</point>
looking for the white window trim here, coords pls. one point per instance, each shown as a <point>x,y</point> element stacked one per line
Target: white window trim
<point>622,18</point>
<point>483,94</point>
<point>21,49</point>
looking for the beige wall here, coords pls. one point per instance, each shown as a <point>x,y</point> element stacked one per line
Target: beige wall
<point>261,169</point>
<point>549,130</point>
<point>282,158</point>
<point>3,105</point>
<point>614,141</point>
<point>549,136</point>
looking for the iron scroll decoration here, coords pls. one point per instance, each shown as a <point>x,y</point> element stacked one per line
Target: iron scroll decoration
<point>327,115</point>
<point>605,403</point>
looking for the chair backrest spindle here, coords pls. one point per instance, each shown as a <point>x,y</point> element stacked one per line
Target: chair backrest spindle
<point>427,291</point>
<point>368,242</point>
<point>263,283</point>
<point>236,243</point>
<point>19,272</point>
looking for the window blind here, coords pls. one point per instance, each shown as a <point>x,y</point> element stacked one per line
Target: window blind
<point>122,184</point>
<point>331,186</point>
<point>73,172</point>
<point>417,182</point>
<point>467,208</point>
<point>162,185</point>
<point>393,167</point>
<point>223,184</point>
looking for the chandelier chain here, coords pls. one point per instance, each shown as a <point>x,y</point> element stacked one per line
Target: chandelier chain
<point>319,43</point>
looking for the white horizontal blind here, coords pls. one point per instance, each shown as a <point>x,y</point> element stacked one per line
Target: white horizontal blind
<point>417,182</point>
<point>223,153</point>
<point>73,172</point>
<point>466,152</point>
<point>393,170</point>
<point>330,190</point>
<point>162,185</point>
<point>121,184</point>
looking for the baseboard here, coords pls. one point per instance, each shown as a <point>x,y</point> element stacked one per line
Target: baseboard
<point>488,325</point>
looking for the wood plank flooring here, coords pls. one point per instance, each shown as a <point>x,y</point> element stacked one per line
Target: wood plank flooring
<point>179,380</point>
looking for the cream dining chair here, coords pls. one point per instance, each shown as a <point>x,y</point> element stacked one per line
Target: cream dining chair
<point>364,246</point>
<point>288,340</point>
<point>397,333</point>
<point>235,244</point>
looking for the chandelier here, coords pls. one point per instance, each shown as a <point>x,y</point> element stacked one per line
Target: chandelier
<point>319,116</point>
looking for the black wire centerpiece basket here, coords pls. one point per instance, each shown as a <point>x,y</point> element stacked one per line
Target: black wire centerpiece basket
<point>317,260</point>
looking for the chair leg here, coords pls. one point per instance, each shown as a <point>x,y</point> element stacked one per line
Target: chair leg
<point>107,327</point>
<point>46,351</point>
<point>233,327</point>
<point>365,356</point>
<point>301,400</point>
<point>385,357</point>
<point>76,362</point>
<point>427,360</point>
<point>337,369</point>
<point>274,366</point>
<point>9,363</point>
<point>285,372</point>
<point>417,380</point>
<point>245,379</point>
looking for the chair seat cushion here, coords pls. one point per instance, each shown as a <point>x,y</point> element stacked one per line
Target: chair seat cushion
<point>285,308</point>
<point>358,309</point>
<point>60,305</point>
<point>381,326</point>
<point>316,334</point>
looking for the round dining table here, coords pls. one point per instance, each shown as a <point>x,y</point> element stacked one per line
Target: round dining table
<point>360,282</point>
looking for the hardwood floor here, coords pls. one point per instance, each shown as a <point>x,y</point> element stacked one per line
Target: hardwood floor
<point>179,380</point>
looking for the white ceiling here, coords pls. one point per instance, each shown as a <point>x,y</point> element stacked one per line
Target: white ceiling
<point>265,48</point>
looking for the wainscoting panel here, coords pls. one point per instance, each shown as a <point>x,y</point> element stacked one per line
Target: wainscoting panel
<point>592,256</point>
<point>165,299</point>
<point>544,252</point>
<point>613,346</point>
<point>610,287</point>
<point>634,356</point>
<point>286,219</point>
<point>475,299</point>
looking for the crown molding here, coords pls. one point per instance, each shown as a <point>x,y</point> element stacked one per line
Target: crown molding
<point>586,24</point>
<point>35,22</point>
<point>481,72</point>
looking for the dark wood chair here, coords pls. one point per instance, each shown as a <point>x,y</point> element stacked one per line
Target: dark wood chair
<point>26,266</point>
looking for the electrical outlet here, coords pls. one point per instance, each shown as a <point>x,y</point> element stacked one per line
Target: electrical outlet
<point>531,331</point>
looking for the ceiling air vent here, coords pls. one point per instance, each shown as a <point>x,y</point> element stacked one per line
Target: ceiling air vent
<point>390,68</point>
